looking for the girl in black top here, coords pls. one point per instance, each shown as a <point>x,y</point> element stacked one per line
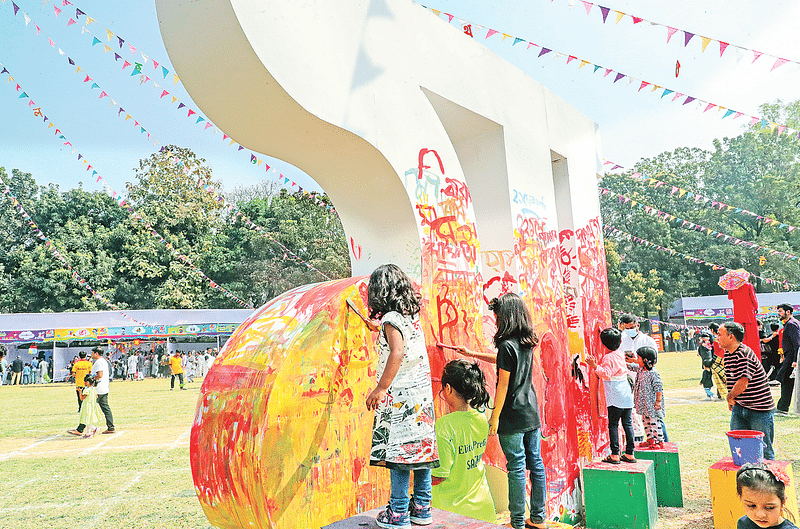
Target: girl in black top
<point>515,417</point>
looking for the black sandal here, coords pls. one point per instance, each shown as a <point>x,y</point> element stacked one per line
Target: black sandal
<point>627,458</point>
<point>608,459</point>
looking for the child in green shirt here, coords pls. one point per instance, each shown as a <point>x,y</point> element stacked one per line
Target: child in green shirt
<point>459,484</point>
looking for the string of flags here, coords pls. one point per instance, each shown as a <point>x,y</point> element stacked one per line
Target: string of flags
<point>26,218</point>
<point>665,323</point>
<point>118,199</point>
<point>683,223</point>
<point>138,69</point>
<point>621,234</point>
<point>472,30</point>
<point>209,189</point>
<point>697,197</point>
<point>236,212</point>
<point>688,36</point>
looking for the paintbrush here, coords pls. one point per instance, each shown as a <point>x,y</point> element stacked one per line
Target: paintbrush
<point>353,307</point>
<point>445,346</point>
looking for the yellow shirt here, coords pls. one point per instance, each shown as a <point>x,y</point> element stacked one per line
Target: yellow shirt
<point>80,369</point>
<point>175,365</point>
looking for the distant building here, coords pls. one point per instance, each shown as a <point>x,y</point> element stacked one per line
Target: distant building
<point>701,311</point>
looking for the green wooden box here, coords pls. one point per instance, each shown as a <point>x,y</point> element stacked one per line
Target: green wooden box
<point>669,491</point>
<point>620,496</point>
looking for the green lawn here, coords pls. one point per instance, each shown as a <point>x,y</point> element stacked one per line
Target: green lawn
<point>140,477</point>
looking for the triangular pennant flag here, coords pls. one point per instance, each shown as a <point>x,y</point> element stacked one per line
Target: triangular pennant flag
<point>78,13</point>
<point>756,55</point>
<point>16,8</point>
<point>164,71</point>
<point>677,95</point>
<point>709,107</point>
<point>670,33</point>
<point>619,76</point>
<point>199,119</point>
<point>596,67</point>
<point>107,48</point>
<point>570,58</point>
<point>190,113</point>
<point>176,79</point>
<point>543,52</point>
<point>644,83</point>
<point>489,33</point>
<point>687,37</point>
<point>608,71</point>
<point>779,62</point>
<point>619,16</point>
<point>604,11</point>
<point>706,41</point>
<point>27,19</point>
<point>436,12</point>
<point>722,46</point>
<point>95,41</point>
<point>588,6</point>
<point>57,11</point>
<point>636,20</point>
<point>517,39</point>
<point>110,35</point>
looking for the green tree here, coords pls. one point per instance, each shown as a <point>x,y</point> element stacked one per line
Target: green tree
<point>756,171</point>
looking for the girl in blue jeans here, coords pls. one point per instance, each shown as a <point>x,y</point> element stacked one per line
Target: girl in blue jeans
<point>515,418</point>
<point>403,436</point>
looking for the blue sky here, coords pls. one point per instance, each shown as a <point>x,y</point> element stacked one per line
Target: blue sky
<point>633,124</point>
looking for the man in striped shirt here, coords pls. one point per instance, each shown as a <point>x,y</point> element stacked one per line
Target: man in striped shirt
<point>749,397</point>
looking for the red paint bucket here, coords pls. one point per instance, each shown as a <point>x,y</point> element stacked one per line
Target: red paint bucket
<point>747,446</point>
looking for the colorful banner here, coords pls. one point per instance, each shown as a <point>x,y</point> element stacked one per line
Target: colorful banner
<point>26,336</point>
<point>717,235</point>
<point>37,112</point>
<point>687,35</point>
<point>619,233</point>
<point>118,333</point>
<point>471,30</point>
<point>696,197</point>
<point>708,314</point>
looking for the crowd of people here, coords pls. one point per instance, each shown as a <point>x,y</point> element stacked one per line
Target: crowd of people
<point>138,364</point>
<point>18,372</point>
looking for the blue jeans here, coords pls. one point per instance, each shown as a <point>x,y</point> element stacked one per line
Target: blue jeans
<point>664,429</point>
<point>522,450</point>
<point>746,419</point>
<point>400,480</point>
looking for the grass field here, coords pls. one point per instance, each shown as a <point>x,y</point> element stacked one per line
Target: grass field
<point>140,476</point>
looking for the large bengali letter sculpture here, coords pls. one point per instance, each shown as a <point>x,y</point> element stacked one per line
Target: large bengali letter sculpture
<point>427,143</point>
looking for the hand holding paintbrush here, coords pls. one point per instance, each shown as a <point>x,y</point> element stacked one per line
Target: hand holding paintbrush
<point>371,325</point>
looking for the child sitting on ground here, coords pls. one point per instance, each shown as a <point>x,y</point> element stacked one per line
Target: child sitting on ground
<point>459,484</point>
<point>706,380</point>
<point>648,393</point>
<point>619,399</point>
<point>762,491</point>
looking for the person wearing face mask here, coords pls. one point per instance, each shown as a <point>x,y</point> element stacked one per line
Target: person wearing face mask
<point>632,340</point>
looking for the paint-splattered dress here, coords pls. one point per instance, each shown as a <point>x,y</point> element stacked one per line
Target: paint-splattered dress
<point>403,435</point>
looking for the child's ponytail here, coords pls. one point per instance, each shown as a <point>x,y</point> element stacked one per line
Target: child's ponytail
<point>468,381</point>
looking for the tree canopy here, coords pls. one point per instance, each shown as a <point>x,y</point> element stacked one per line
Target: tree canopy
<point>117,254</point>
<point>757,171</point>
